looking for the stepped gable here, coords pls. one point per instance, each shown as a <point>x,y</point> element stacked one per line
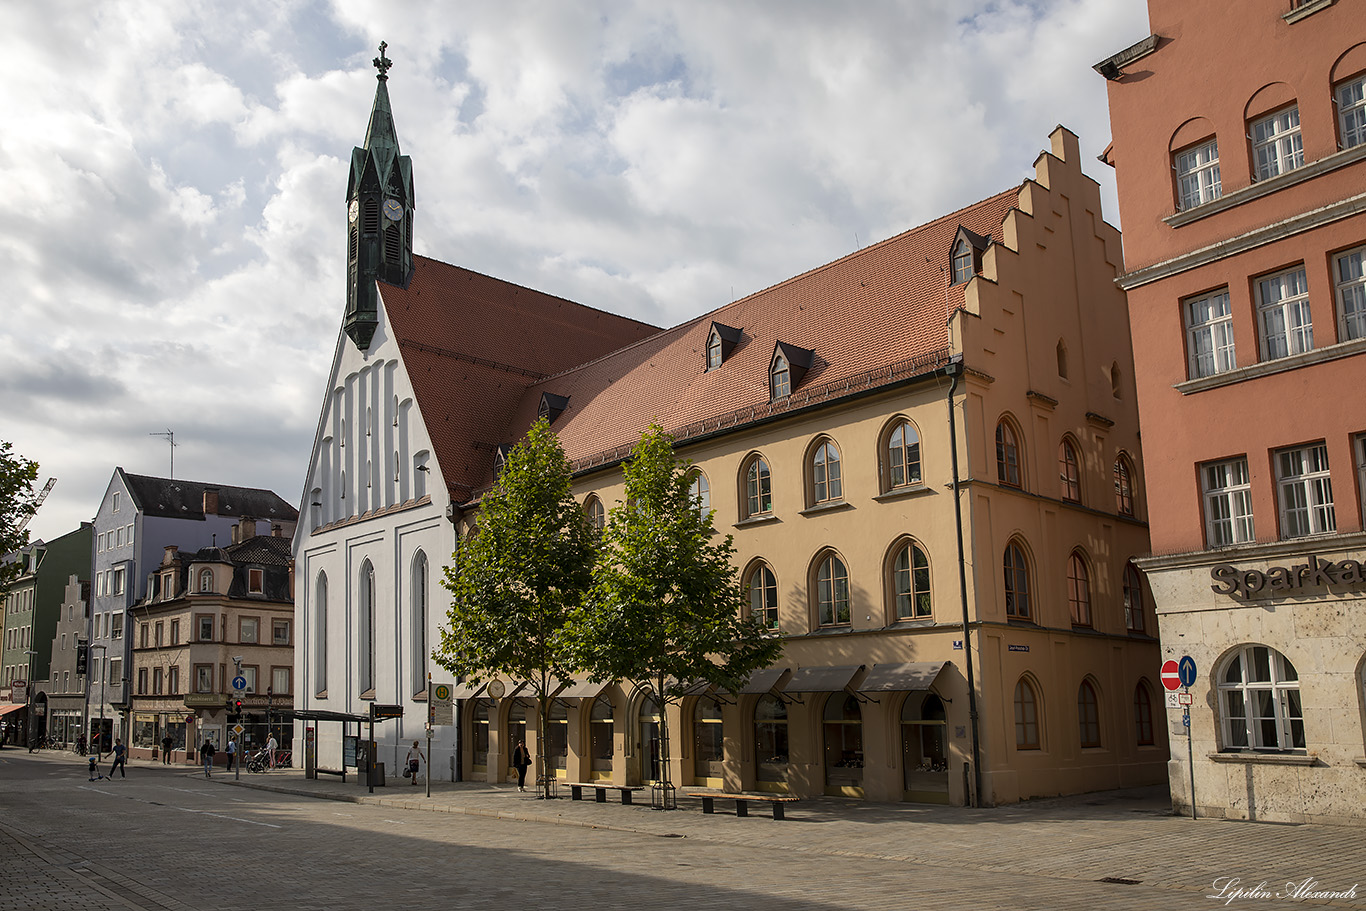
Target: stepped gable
<point>884,305</point>
<point>472,344</point>
<point>174,498</point>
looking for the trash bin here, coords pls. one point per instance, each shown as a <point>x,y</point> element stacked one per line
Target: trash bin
<point>379,776</point>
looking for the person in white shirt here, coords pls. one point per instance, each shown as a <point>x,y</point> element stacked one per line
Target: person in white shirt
<point>415,761</point>
<point>271,746</point>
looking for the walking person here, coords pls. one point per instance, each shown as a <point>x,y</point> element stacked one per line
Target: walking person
<point>166,744</point>
<point>521,761</point>
<point>232,752</point>
<point>415,761</point>
<point>206,752</point>
<point>120,755</point>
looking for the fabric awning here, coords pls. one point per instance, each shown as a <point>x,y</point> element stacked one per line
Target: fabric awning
<point>581,689</point>
<point>888,678</point>
<point>6,709</point>
<point>822,679</point>
<point>762,681</point>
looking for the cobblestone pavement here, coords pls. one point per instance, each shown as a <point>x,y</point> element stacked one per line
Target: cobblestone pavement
<point>167,838</point>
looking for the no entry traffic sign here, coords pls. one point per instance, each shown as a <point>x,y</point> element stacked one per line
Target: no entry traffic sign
<point>1171,675</point>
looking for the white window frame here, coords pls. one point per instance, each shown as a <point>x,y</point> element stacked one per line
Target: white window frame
<point>1351,101</point>
<point>713,350</point>
<point>249,623</point>
<point>1305,491</point>
<point>780,378</point>
<point>963,262</point>
<point>827,484</point>
<point>1259,703</point>
<point>1284,321</point>
<point>1277,146</point>
<point>1349,273</point>
<point>1227,491</point>
<point>1197,175</point>
<point>700,491</point>
<point>1210,346</point>
<point>277,674</point>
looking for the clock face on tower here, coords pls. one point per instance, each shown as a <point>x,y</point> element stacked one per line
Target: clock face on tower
<point>353,212</point>
<point>393,209</point>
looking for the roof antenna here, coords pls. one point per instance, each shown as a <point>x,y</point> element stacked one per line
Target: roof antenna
<point>170,437</point>
<point>857,246</point>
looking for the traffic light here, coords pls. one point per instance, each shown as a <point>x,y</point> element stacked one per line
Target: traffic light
<point>237,704</point>
<point>82,658</point>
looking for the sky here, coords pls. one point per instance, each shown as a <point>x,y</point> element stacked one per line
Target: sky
<point>174,227</point>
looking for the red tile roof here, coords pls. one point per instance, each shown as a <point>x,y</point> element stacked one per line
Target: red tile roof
<point>473,344</point>
<point>885,306</point>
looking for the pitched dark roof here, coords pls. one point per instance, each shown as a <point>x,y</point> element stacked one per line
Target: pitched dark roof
<point>179,499</point>
<point>264,550</point>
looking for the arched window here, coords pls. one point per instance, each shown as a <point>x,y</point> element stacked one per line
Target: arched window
<point>758,488</point>
<point>1026,716</point>
<point>832,592</point>
<point>479,732</point>
<point>1088,715</point>
<point>1007,455</point>
<point>1069,472</point>
<point>911,582</point>
<point>700,491</point>
<point>1079,590</point>
<point>903,456</point>
<point>924,748</point>
<point>651,721</point>
<point>713,350</point>
<point>597,516</point>
<point>600,735</point>
<point>826,486</point>
<point>1017,582</point>
<point>780,379</point>
<point>206,580</point>
<point>770,739</point>
<point>366,657</point>
<point>843,729</point>
<point>1124,486</point>
<point>763,596</point>
<point>1133,599</point>
<point>1062,359</point>
<point>1143,715</point>
<point>708,741</point>
<point>418,622</point>
<point>1259,701</point>
<point>320,635</point>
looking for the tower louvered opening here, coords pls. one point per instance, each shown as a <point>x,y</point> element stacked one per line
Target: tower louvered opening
<point>370,216</point>
<point>393,245</point>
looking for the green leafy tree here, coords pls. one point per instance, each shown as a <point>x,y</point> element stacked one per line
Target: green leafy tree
<point>18,501</point>
<point>667,609</point>
<point>518,577</point>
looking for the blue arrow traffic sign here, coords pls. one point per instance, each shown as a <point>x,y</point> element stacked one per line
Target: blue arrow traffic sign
<point>239,682</point>
<point>1186,670</point>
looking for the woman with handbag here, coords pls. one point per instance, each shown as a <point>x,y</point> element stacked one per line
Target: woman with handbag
<point>414,763</point>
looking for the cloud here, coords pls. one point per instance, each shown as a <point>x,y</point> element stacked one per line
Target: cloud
<point>176,237</point>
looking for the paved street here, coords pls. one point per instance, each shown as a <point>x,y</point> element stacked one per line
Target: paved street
<point>166,838</point>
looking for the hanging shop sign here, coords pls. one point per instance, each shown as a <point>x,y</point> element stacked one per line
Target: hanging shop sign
<point>1315,573</point>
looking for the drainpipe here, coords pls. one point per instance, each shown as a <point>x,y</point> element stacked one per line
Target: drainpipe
<point>957,371</point>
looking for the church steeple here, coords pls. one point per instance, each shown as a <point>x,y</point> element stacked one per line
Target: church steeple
<point>379,232</point>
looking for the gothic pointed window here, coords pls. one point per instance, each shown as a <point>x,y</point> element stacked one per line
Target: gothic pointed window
<point>781,378</point>
<point>714,350</point>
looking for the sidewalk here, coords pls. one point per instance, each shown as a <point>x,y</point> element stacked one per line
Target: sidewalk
<point>1115,835</point>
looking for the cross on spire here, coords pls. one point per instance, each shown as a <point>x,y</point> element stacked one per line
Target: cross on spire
<point>382,63</point>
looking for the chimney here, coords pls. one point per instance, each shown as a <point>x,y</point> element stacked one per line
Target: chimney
<point>172,554</point>
<point>276,531</point>
<point>248,528</point>
<point>236,534</point>
<point>210,501</point>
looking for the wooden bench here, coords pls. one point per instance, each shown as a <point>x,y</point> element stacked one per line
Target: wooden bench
<point>742,801</point>
<point>341,772</point>
<point>601,788</point>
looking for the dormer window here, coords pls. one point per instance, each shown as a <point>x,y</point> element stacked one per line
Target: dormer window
<point>552,406</point>
<point>786,369</point>
<point>781,382</point>
<point>721,341</point>
<point>206,581</point>
<point>966,255</point>
<point>500,458</point>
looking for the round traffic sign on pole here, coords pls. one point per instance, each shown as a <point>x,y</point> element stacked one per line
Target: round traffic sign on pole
<point>239,682</point>
<point>1186,670</point>
<point>1171,675</point>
